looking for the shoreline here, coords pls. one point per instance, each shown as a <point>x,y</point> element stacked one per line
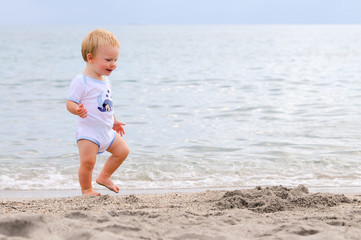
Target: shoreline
<point>275,212</point>
<point>13,195</point>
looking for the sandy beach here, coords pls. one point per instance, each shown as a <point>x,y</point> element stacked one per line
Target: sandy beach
<point>260,213</point>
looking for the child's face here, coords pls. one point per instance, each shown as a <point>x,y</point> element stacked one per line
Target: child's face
<point>105,61</point>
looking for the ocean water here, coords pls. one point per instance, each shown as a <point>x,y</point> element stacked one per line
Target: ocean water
<point>205,106</point>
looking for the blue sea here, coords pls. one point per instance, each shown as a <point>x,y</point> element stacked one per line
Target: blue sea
<point>204,106</point>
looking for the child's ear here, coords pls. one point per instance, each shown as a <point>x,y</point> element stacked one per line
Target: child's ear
<point>89,58</point>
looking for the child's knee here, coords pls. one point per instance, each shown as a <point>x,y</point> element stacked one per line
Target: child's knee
<point>122,152</point>
<point>87,164</point>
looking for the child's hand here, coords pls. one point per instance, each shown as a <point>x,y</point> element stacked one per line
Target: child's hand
<point>118,127</point>
<point>81,111</point>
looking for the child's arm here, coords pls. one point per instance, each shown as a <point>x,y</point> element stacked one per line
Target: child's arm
<point>76,109</point>
<point>118,127</point>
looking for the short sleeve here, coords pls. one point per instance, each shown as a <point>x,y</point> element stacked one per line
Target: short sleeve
<point>76,90</point>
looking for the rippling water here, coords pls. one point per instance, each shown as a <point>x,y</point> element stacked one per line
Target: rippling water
<point>205,106</point>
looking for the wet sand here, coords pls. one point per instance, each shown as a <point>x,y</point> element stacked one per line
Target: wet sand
<point>260,213</point>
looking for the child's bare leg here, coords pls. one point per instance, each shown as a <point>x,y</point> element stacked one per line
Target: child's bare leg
<point>88,154</point>
<point>119,151</point>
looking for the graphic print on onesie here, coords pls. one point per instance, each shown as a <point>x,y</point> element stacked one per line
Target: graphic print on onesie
<point>105,103</point>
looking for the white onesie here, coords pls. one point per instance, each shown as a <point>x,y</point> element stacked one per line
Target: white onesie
<point>97,99</point>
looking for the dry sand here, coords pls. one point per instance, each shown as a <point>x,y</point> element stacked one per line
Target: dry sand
<point>260,213</point>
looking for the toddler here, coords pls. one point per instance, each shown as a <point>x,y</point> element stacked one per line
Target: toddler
<point>90,98</point>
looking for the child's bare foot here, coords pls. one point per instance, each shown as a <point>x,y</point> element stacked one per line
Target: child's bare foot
<point>108,183</point>
<point>90,192</point>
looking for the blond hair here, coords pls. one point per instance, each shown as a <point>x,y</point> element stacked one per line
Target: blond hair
<point>96,38</point>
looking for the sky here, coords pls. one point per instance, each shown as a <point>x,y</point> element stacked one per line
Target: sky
<point>178,12</point>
